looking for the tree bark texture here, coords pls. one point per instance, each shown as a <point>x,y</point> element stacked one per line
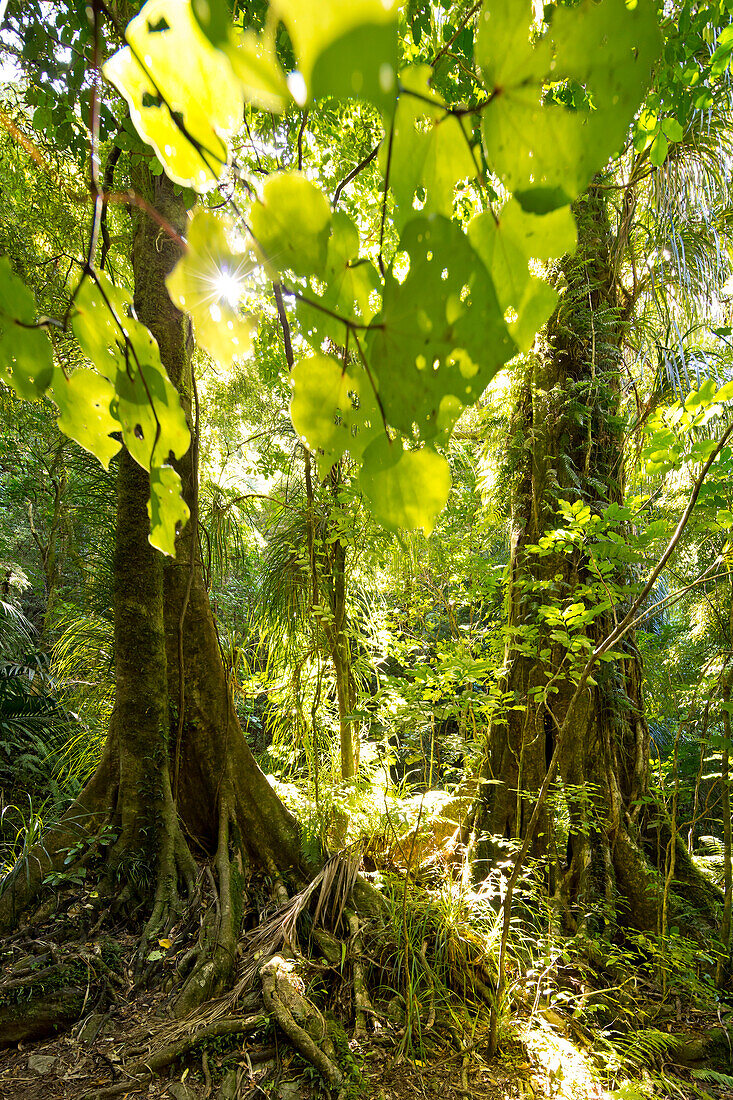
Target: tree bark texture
<point>567,443</point>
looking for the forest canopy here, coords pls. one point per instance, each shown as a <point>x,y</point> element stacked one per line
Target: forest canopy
<point>365,510</point>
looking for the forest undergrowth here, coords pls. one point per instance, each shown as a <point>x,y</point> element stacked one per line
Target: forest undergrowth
<point>396,1007</point>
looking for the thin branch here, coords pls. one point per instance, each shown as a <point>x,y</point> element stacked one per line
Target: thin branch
<point>109,176</point>
<point>461,26</point>
<point>301,131</point>
<point>354,173</point>
<point>284,324</point>
<point>95,189</point>
<point>354,325</point>
<point>627,622</point>
<point>384,196</point>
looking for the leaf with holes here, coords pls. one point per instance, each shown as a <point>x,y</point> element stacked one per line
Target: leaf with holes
<point>26,362</point>
<point>405,489</point>
<point>349,284</point>
<point>83,402</point>
<point>507,244</point>
<point>291,225</point>
<point>183,96</point>
<point>441,336</point>
<point>145,402</point>
<point>333,409</point>
<point>167,509</point>
<point>207,282</point>
<point>561,106</point>
<point>427,149</point>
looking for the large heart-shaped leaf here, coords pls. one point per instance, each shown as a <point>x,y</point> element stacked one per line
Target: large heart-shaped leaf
<point>350,285</point>
<point>441,336</point>
<point>405,489</point>
<point>507,243</point>
<point>428,149</point>
<point>183,96</point>
<point>291,225</point>
<point>26,362</point>
<point>145,402</point>
<point>348,50</point>
<point>333,409</point>
<point>560,106</point>
<point>208,282</point>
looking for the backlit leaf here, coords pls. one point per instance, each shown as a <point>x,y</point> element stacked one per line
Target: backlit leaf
<point>83,402</point>
<point>506,244</point>
<point>344,49</point>
<point>405,489</point>
<point>254,62</point>
<point>207,283</point>
<point>440,337</point>
<point>428,149</point>
<point>547,152</point>
<point>349,282</point>
<point>291,225</point>
<point>123,350</point>
<point>167,509</point>
<point>333,408</point>
<point>183,96</point>
<point>26,362</point>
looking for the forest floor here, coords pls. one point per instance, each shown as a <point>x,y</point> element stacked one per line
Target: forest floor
<point>655,1044</point>
<point>542,1058</point>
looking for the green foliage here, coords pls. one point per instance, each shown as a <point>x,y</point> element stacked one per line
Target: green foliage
<point>183,111</point>
<point>441,333</point>
<point>291,225</point>
<point>25,350</point>
<point>597,58</point>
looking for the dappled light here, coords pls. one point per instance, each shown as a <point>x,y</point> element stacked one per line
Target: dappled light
<point>366,603</point>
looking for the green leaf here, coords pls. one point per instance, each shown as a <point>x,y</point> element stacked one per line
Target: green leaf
<point>291,225</point>
<point>207,282</point>
<point>547,152</point>
<point>348,50</point>
<point>507,244</point>
<point>429,148</point>
<point>672,129</point>
<point>405,489</point>
<point>350,283</point>
<point>26,361</point>
<point>182,93</point>
<point>333,409</point>
<point>214,18</point>
<point>145,402</point>
<point>658,151</point>
<point>83,402</point>
<point>440,337</point>
<point>254,61</point>
<point>167,509</point>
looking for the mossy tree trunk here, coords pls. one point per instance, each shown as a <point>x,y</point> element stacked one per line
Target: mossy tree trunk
<point>164,626</point>
<point>567,444</point>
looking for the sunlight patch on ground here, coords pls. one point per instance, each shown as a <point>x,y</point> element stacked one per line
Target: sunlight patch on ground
<point>563,1071</point>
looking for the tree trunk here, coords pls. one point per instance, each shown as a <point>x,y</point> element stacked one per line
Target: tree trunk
<point>154,640</point>
<point>567,444</point>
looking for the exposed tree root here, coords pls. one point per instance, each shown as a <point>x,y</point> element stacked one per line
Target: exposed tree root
<point>362,1004</point>
<point>41,1016</point>
<point>298,1018</point>
<point>212,966</point>
<point>138,1072</point>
